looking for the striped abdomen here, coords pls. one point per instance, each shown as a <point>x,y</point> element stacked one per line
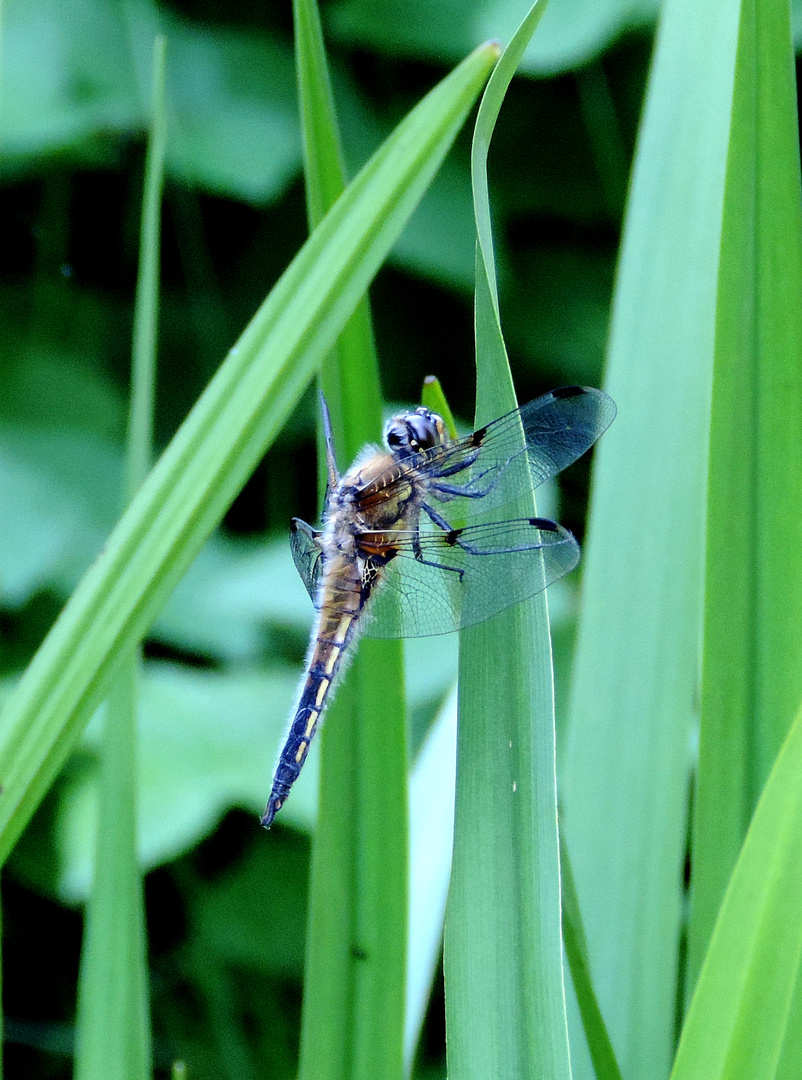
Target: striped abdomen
<point>342,603</point>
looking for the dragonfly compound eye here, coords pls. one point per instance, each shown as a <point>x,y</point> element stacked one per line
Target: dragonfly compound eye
<point>414,431</point>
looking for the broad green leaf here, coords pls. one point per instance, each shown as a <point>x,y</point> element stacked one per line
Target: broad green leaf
<point>503,943</point>
<point>215,449</point>
<point>737,1019</point>
<point>64,75</point>
<point>752,673</point>
<point>626,767</point>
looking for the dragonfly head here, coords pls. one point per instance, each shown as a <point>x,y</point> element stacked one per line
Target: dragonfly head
<point>411,432</point>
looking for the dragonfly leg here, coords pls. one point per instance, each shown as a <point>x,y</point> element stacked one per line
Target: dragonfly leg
<point>452,491</point>
<point>470,491</point>
<point>443,524</point>
<point>439,521</point>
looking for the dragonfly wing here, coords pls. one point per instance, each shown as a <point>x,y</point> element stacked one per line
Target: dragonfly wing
<point>306,554</point>
<point>506,459</point>
<point>439,582</point>
<point>561,426</point>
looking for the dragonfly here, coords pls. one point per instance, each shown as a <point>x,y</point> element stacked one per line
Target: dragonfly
<point>431,534</point>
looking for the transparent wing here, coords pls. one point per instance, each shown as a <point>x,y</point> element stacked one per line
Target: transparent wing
<point>306,554</point>
<point>503,461</point>
<point>439,582</point>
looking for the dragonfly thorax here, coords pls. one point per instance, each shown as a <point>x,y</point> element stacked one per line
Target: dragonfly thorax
<point>411,432</point>
<point>378,493</point>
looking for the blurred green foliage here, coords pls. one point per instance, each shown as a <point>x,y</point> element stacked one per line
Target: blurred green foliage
<point>226,910</point>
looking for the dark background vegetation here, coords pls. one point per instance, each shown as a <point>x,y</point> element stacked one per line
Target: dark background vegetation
<point>226,909</point>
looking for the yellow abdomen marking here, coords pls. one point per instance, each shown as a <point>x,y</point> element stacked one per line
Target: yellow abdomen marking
<point>322,690</point>
<point>337,644</point>
<point>310,723</point>
<point>332,660</point>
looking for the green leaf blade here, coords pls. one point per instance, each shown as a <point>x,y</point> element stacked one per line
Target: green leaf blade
<point>503,942</point>
<point>737,1020</point>
<point>753,645</point>
<point>626,767</point>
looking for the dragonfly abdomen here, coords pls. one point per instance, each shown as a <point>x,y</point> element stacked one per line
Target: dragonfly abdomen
<point>337,624</point>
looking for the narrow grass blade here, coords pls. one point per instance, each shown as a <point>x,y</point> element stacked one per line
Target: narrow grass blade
<point>434,398</point>
<point>353,1017</point>
<point>113,1030</point>
<point>601,1050</point>
<point>505,1001</point>
<point>113,1022</point>
<point>626,773</point>
<point>737,1020</point>
<point>217,446</point>
<point>752,673</point>
<point>139,450</point>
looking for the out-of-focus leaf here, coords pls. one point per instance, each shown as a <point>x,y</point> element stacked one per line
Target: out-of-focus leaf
<point>206,742</point>
<point>557,310</point>
<point>228,597</point>
<point>61,489</point>
<point>55,387</point>
<point>440,237</point>
<point>233,917</point>
<point>438,241</point>
<point>572,32</point>
<point>796,23</point>
<point>235,123</point>
<point>72,75</point>
<point>65,76</point>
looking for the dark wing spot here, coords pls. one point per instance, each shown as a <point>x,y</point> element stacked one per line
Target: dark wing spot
<point>478,436</point>
<point>544,524</point>
<point>453,536</point>
<point>568,392</point>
